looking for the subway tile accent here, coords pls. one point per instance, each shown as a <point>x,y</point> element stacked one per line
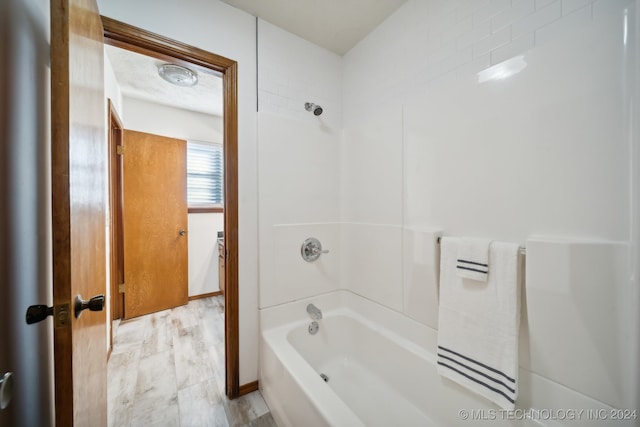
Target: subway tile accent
<point>569,6</point>
<point>428,41</point>
<point>490,10</point>
<point>541,4</point>
<point>517,46</point>
<point>479,32</point>
<point>517,12</point>
<point>569,24</point>
<point>537,20</point>
<point>488,44</point>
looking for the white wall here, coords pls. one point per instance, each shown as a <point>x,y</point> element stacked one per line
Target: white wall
<point>203,252</point>
<point>298,165</point>
<point>111,86</point>
<point>145,116</point>
<point>541,158</point>
<point>224,30</point>
<point>25,210</point>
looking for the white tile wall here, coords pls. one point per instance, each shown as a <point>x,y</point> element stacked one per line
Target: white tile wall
<point>371,170</point>
<point>540,4</point>
<point>509,50</point>
<point>515,141</point>
<point>577,314</point>
<point>292,71</point>
<point>421,274</point>
<point>486,44</point>
<point>489,10</point>
<point>569,6</point>
<point>427,40</point>
<point>298,162</point>
<point>298,180</point>
<point>519,10</point>
<point>410,146</point>
<point>547,150</point>
<point>299,171</point>
<point>371,263</point>
<point>538,19</point>
<point>293,277</point>
<point>568,24</point>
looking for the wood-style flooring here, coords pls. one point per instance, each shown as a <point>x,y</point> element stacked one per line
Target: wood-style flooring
<point>167,369</point>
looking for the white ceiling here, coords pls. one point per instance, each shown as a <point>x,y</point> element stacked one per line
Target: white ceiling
<point>337,25</point>
<point>137,76</point>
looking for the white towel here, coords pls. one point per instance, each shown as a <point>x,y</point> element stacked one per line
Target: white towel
<point>473,259</point>
<point>478,324</point>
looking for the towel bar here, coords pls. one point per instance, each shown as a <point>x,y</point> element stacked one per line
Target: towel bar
<point>522,249</point>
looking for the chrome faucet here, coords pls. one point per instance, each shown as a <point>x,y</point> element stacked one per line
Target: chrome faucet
<point>314,312</point>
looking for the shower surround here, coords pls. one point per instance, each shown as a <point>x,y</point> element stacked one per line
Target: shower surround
<point>515,121</point>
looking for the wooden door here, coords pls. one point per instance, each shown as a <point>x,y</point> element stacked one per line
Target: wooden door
<point>78,180</point>
<point>155,223</point>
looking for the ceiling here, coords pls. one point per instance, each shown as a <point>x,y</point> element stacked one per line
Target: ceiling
<point>137,76</point>
<point>337,25</point>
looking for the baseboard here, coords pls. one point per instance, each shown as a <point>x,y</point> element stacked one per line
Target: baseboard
<point>248,388</point>
<point>210,294</point>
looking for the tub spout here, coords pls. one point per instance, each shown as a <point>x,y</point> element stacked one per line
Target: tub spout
<point>314,312</point>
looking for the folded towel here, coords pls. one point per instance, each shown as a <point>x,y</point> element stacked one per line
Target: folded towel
<point>478,324</point>
<point>473,259</point>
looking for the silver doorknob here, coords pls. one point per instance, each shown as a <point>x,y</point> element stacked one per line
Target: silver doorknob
<point>183,232</point>
<point>6,389</point>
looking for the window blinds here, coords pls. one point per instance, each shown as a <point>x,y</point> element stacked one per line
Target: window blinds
<point>204,173</point>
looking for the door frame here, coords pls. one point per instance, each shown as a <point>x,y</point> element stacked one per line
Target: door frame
<point>135,39</point>
<point>116,242</point>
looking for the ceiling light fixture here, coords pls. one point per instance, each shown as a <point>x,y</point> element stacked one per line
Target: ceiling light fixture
<point>178,75</point>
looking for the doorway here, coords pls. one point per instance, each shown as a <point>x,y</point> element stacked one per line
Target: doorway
<point>140,41</point>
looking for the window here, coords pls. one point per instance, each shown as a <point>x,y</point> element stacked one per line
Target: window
<point>204,176</point>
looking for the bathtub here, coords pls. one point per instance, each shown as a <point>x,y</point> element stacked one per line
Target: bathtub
<point>378,373</point>
<point>358,365</point>
<point>382,372</point>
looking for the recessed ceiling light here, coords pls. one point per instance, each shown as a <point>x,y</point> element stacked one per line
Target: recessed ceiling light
<point>178,75</point>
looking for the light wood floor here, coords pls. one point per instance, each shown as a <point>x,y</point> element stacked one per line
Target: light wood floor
<point>167,369</point>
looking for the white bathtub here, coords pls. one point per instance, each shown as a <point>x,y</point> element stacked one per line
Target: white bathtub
<point>380,373</point>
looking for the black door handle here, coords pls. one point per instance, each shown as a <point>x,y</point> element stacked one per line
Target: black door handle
<point>94,304</point>
<point>37,313</point>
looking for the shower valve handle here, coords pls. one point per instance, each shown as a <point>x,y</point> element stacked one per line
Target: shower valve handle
<point>311,249</point>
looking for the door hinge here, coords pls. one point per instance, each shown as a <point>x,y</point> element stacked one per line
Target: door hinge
<point>121,288</point>
<point>119,150</point>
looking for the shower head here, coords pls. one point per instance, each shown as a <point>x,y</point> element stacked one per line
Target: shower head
<point>309,106</point>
